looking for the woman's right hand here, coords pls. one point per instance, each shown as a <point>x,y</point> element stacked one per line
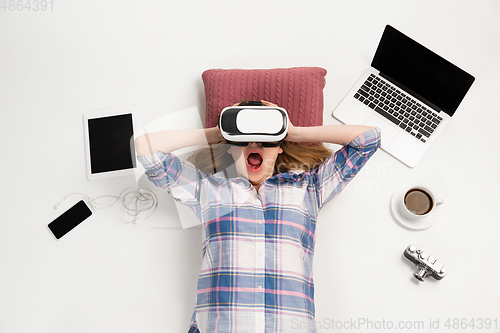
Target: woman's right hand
<point>214,135</point>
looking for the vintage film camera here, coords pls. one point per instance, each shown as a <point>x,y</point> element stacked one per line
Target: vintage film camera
<point>427,264</point>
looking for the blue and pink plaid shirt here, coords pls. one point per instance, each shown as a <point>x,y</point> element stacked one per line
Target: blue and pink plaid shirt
<point>258,247</point>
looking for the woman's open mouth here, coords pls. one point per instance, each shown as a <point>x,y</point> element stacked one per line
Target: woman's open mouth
<point>254,161</point>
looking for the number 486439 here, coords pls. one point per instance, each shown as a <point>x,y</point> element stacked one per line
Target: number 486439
<point>470,324</point>
<point>27,5</point>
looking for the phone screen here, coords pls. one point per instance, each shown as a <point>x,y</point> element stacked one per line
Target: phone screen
<point>70,219</point>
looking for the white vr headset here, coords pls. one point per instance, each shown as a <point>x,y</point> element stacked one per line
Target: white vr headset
<point>253,123</point>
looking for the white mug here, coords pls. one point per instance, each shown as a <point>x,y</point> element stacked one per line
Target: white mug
<point>404,211</point>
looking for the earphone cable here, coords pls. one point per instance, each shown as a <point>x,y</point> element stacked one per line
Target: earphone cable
<point>134,202</point>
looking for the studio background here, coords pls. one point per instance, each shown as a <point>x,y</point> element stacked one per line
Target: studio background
<point>108,276</point>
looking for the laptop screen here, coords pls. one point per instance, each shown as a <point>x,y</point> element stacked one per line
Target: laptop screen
<point>421,72</point>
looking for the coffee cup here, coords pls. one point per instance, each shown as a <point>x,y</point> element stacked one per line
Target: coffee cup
<point>418,201</point>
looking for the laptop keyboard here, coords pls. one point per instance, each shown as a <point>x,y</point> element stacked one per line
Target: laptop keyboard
<point>398,107</point>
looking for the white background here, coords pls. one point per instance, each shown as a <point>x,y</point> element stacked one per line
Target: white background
<point>107,276</point>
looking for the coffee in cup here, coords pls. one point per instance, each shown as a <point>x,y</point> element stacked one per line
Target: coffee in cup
<point>418,201</point>
<point>415,205</point>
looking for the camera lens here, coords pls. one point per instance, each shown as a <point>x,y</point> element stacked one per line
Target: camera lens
<point>421,274</point>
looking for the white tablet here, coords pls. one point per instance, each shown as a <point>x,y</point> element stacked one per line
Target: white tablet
<point>109,142</point>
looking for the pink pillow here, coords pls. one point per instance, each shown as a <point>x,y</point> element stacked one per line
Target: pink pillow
<point>298,90</point>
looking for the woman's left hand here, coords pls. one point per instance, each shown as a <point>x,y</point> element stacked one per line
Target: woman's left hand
<point>290,131</point>
<point>291,128</point>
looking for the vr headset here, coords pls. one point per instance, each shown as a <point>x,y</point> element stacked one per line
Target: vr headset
<point>253,123</point>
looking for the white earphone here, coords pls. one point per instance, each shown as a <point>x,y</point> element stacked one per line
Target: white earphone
<point>134,202</point>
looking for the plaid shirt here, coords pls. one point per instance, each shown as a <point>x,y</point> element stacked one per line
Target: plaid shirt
<point>258,247</point>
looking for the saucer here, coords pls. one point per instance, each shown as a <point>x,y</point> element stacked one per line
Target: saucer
<point>422,223</point>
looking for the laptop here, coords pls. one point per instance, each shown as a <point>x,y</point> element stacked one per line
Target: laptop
<point>409,92</point>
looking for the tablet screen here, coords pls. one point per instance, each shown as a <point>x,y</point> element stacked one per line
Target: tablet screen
<point>111,143</point>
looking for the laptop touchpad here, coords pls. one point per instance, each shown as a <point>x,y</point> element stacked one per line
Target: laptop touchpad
<point>389,132</point>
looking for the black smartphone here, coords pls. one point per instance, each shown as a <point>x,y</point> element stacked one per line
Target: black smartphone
<point>70,219</point>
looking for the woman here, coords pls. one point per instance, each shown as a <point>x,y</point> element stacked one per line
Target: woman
<point>260,220</point>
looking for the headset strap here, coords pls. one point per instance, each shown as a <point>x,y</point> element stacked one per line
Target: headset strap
<point>254,103</point>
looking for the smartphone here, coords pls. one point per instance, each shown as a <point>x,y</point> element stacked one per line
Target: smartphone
<point>68,220</point>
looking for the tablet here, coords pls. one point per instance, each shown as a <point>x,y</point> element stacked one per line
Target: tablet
<point>109,142</point>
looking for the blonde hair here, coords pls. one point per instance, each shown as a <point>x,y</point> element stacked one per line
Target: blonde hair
<point>301,156</point>
<point>295,156</point>
<point>213,158</point>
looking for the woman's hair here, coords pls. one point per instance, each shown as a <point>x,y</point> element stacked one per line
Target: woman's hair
<point>295,156</point>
